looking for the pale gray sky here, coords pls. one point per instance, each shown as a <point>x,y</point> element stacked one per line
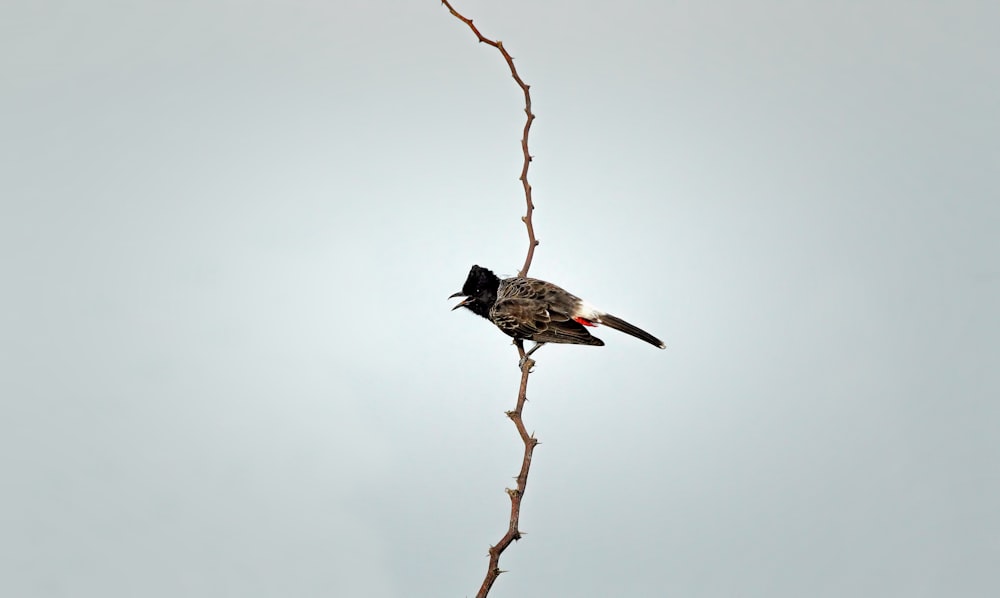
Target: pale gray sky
<point>228,367</point>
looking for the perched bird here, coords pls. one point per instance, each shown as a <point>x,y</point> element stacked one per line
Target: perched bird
<point>532,309</point>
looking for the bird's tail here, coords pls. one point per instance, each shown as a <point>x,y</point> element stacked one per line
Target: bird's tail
<point>621,325</point>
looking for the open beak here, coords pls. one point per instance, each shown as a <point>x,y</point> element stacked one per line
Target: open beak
<point>462,302</point>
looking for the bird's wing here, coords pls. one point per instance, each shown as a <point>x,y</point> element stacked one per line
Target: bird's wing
<point>532,319</point>
<point>520,317</point>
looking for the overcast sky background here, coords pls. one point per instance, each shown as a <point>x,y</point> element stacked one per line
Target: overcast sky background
<point>229,230</point>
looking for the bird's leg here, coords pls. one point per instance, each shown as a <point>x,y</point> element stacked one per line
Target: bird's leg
<point>527,356</point>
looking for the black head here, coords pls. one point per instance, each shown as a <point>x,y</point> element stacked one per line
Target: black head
<point>479,290</point>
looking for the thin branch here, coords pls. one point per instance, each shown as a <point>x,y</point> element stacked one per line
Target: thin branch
<point>516,494</point>
<point>530,117</point>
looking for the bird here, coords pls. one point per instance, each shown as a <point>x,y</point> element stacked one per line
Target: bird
<point>532,309</point>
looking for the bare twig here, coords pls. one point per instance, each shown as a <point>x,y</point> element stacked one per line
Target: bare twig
<point>516,494</point>
<point>530,117</point>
